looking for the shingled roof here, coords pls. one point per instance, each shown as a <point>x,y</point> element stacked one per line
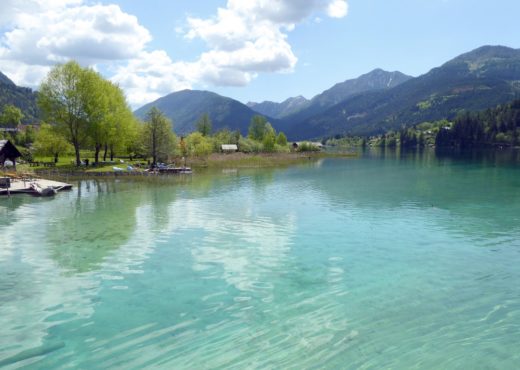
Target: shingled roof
<point>8,152</point>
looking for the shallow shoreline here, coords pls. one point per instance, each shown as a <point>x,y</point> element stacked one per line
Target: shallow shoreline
<point>259,160</point>
<point>215,160</point>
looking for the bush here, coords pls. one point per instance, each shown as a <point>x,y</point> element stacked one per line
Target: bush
<point>269,141</point>
<point>27,155</point>
<point>247,145</point>
<point>281,139</point>
<point>198,145</point>
<point>307,147</point>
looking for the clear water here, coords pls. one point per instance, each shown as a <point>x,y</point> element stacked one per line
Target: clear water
<point>386,261</point>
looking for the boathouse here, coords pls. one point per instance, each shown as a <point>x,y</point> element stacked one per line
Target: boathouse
<point>229,148</point>
<point>8,152</point>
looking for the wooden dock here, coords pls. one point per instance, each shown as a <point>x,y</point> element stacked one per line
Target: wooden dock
<point>23,186</point>
<point>171,170</point>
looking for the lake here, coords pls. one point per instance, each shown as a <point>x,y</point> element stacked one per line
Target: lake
<point>389,260</point>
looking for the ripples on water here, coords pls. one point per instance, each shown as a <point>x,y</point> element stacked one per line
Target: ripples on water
<point>367,263</point>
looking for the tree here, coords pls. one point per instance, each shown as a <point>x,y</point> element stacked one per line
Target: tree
<point>198,145</point>
<point>50,142</point>
<point>121,127</point>
<point>257,128</point>
<point>159,139</point>
<point>269,138</point>
<point>281,139</point>
<point>96,104</point>
<point>26,137</point>
<point>86,109</point>
<point>11,116</point>
<point>204,125</point>
<point>62,100</point>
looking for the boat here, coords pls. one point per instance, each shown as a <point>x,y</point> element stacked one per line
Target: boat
<point>43,191</point>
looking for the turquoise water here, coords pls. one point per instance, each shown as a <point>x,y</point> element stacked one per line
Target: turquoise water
<point>386,261</point>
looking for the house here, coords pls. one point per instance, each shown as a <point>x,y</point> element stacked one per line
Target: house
<point>8,152</point>
<point>9,129</point>
<point>229,148</point>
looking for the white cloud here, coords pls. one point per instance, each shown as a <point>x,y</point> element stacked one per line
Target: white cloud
<point>244,38</point>
<point>86,33</point>
<point>151,75</point>
<point>337,9</point>
<point>249,37</point>
<point>43,33</point>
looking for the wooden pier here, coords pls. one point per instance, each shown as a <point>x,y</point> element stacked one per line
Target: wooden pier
<point>170,170</point>
<point>27,186</point>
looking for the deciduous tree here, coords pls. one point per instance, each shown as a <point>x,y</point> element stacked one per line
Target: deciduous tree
<point>159,139</point>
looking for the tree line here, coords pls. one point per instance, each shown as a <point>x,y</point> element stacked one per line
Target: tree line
<point>82,111</point>
<point>498,126</point>
<point>87,111</point>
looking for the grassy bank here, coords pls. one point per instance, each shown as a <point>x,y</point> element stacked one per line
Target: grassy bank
<point>65,168</point>
<point>258,160</point>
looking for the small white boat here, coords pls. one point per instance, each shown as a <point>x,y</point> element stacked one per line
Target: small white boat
<point>42,191</point>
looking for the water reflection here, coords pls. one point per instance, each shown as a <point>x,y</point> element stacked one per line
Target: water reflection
<point>471,186</point>
<point>50,255</point>
<point>305,267</point>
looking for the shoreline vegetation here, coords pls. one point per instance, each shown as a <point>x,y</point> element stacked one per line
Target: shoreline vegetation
<point>89,130</point>
<point>236,160</point>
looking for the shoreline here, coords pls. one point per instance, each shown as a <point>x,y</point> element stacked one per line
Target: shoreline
<point>215,160</point>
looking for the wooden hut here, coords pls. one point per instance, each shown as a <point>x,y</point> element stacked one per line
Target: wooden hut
<point>8,152</point>
<point>229,148</point>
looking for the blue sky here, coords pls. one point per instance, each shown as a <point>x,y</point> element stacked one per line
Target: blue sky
<point>250,50</point>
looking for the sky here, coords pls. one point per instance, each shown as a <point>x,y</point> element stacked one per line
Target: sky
<point>249,50</point>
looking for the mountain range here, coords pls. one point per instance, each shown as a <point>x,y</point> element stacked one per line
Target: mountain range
<point>185,107</point>
<point>373,103</point>
<point>280,110</point>
<point>477,80</point>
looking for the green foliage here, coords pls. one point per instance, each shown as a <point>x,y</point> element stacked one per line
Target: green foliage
<point>11,116</point>
<point>183,147</point>
<point>63,99</point>
<point>49,142</point>
<point>224,137</point>
<point>345,141</point>
<point>158,138</point>
<point>247,145</point>
<point>498,126</point>
<point>25,137</point>
<point>198,145</point>
<point>281,139</point>
<point>257,128</point>
<point>269,142</point>
<point>21,97</point>
<point>26,154</point>
<point>87,110</point>
<point>307,147</point>
<point>204,125</point>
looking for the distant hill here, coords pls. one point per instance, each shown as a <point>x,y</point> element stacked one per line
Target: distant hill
<point>280,110</point>
<point>21,97</point>
<point>185,107</point>
<point>477,80</point>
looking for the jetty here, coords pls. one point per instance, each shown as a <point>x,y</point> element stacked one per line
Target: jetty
<point>164,169</point>
<point>33,186</point>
